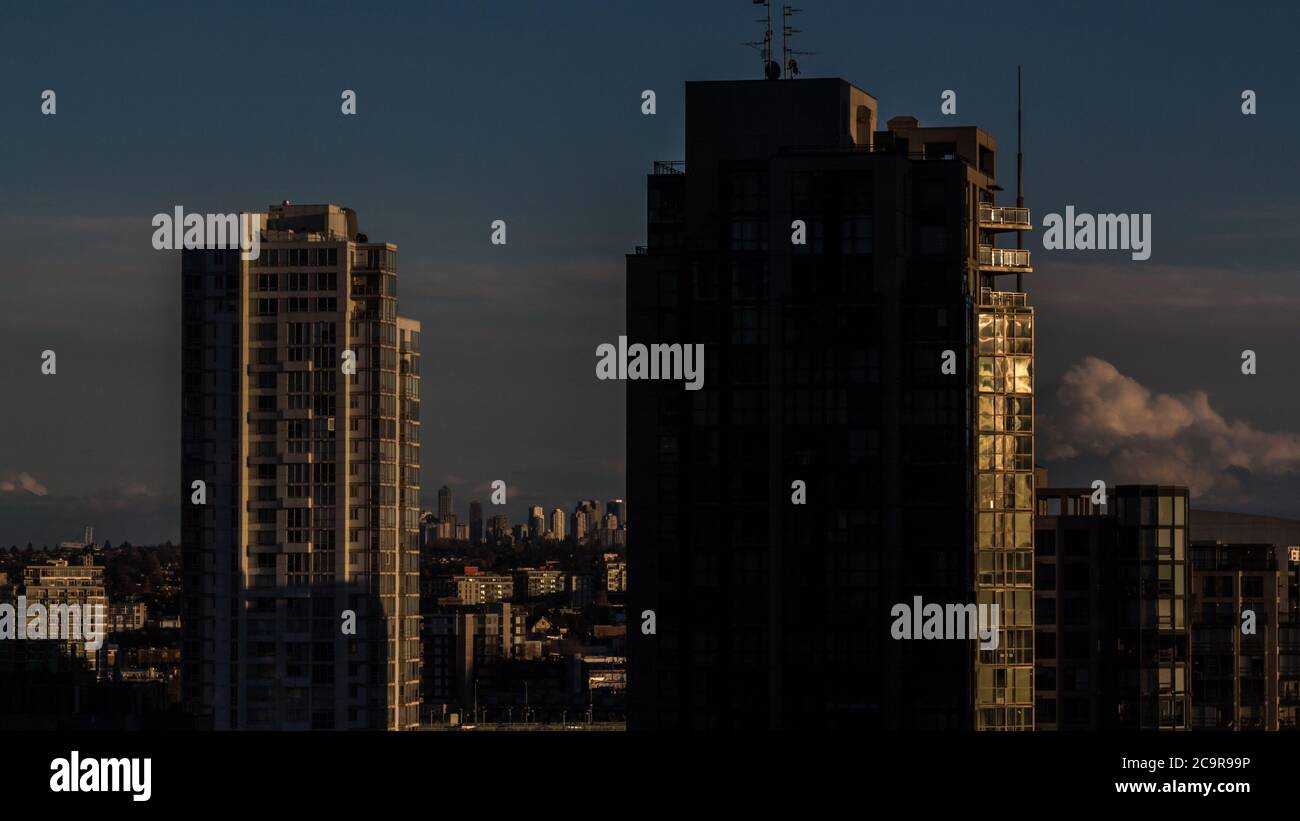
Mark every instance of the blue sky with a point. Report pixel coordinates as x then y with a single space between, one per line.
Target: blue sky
530 112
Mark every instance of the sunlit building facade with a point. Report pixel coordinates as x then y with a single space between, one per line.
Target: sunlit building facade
300 414
1004 531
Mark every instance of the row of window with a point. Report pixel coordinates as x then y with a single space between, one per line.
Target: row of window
297 257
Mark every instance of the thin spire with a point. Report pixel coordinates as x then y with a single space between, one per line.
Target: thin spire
1020 191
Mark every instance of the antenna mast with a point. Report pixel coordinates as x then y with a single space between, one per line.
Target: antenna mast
771 70
1020 191
788 62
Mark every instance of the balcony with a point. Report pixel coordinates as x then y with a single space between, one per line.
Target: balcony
996 218
1003 260
1004 299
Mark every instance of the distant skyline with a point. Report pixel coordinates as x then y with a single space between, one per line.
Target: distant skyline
531 113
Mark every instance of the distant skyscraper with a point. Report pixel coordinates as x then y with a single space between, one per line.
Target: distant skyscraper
312 481
580 524
616 507
558 522
445 507
89 538
447 527
536 521
475 522
500 526
826 362
428 528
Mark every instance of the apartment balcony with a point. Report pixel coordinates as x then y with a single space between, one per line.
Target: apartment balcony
996 218
1006 299
1003 260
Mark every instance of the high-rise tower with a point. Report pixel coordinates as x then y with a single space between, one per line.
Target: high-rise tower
445 507
311 470
843 281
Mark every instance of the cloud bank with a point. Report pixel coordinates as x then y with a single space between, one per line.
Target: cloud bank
1148 437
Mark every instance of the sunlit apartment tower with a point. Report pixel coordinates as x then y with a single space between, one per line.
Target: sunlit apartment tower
826 362
312 481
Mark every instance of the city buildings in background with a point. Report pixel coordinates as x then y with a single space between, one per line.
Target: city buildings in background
1245 677
1139 614
131 680
56 584
590 523
525 625
1111 609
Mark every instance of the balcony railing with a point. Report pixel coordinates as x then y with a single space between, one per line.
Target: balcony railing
996 218
669 167
1012 260
1006 299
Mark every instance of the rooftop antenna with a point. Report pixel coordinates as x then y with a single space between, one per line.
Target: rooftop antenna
771 70
787 53
1020 190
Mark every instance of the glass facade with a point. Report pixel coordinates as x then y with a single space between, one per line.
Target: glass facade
1153 645
1004 515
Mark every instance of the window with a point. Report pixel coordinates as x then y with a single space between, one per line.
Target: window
747 192
934 239
856 234
748 235
1252 587
1045 644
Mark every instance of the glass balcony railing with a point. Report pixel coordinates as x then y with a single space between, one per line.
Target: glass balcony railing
1002 299
1003 259
997 218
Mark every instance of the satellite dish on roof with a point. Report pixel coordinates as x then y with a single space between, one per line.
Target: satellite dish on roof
773 70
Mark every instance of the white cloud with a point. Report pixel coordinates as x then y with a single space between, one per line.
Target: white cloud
23 481
1161 438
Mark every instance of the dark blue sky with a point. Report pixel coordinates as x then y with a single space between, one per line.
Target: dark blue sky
530 112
